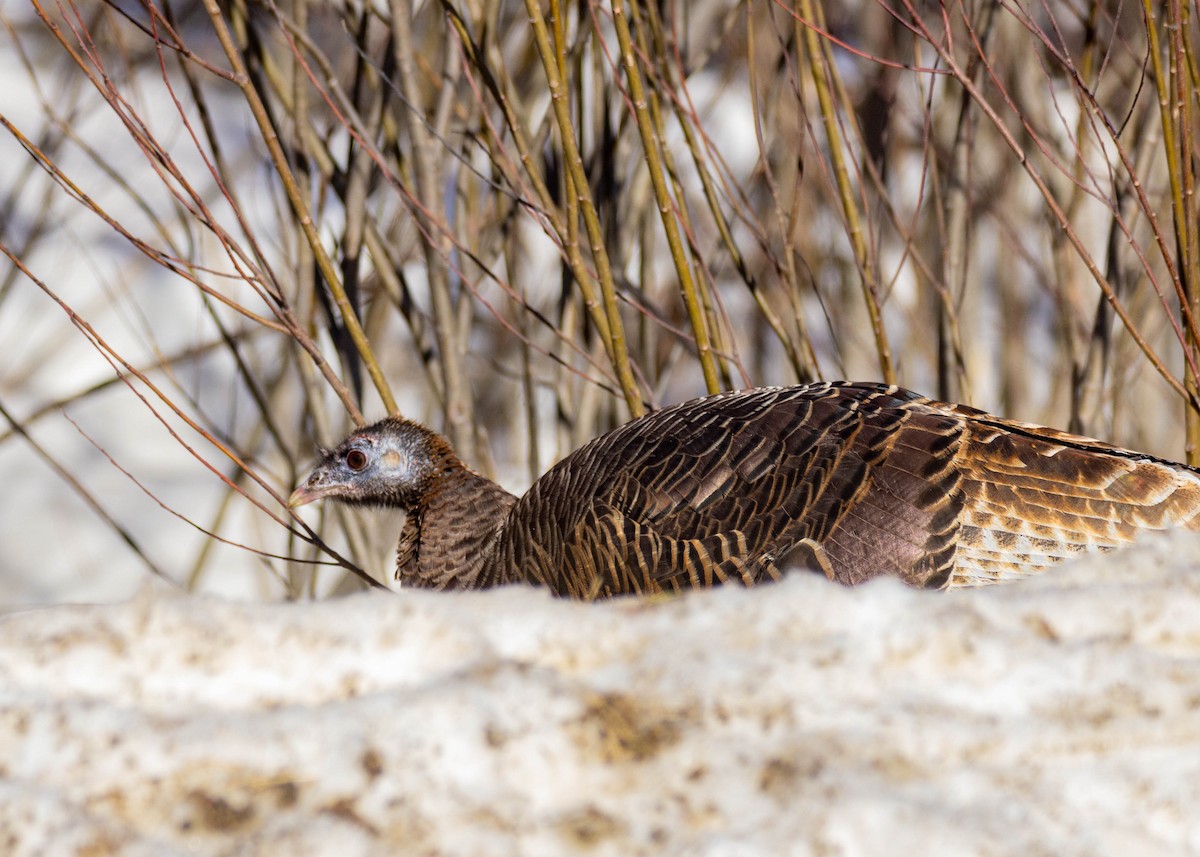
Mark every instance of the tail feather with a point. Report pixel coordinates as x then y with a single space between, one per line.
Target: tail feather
1034 497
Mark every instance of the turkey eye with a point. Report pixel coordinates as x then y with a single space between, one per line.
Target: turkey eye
356 459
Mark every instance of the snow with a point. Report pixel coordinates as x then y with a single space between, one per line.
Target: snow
1056 716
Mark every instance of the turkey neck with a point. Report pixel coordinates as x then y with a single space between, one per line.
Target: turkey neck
450 535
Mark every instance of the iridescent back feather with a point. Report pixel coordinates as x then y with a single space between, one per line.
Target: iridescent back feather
850 480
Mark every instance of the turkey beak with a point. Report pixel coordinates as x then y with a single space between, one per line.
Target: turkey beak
308 492
302 496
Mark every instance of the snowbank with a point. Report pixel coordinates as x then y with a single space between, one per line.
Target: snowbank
1060 716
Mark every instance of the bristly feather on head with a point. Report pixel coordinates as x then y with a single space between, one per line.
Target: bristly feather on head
389 463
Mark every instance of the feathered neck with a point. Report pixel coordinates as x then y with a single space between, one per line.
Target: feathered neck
453 525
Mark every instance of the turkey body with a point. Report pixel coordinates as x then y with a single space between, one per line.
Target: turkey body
849 480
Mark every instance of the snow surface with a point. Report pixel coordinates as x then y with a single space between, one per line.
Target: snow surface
1059 716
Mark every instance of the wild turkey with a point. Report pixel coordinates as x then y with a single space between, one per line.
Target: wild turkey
850 480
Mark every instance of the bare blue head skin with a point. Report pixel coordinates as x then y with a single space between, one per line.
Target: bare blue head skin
390 463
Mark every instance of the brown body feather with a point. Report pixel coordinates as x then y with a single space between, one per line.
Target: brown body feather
849 480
